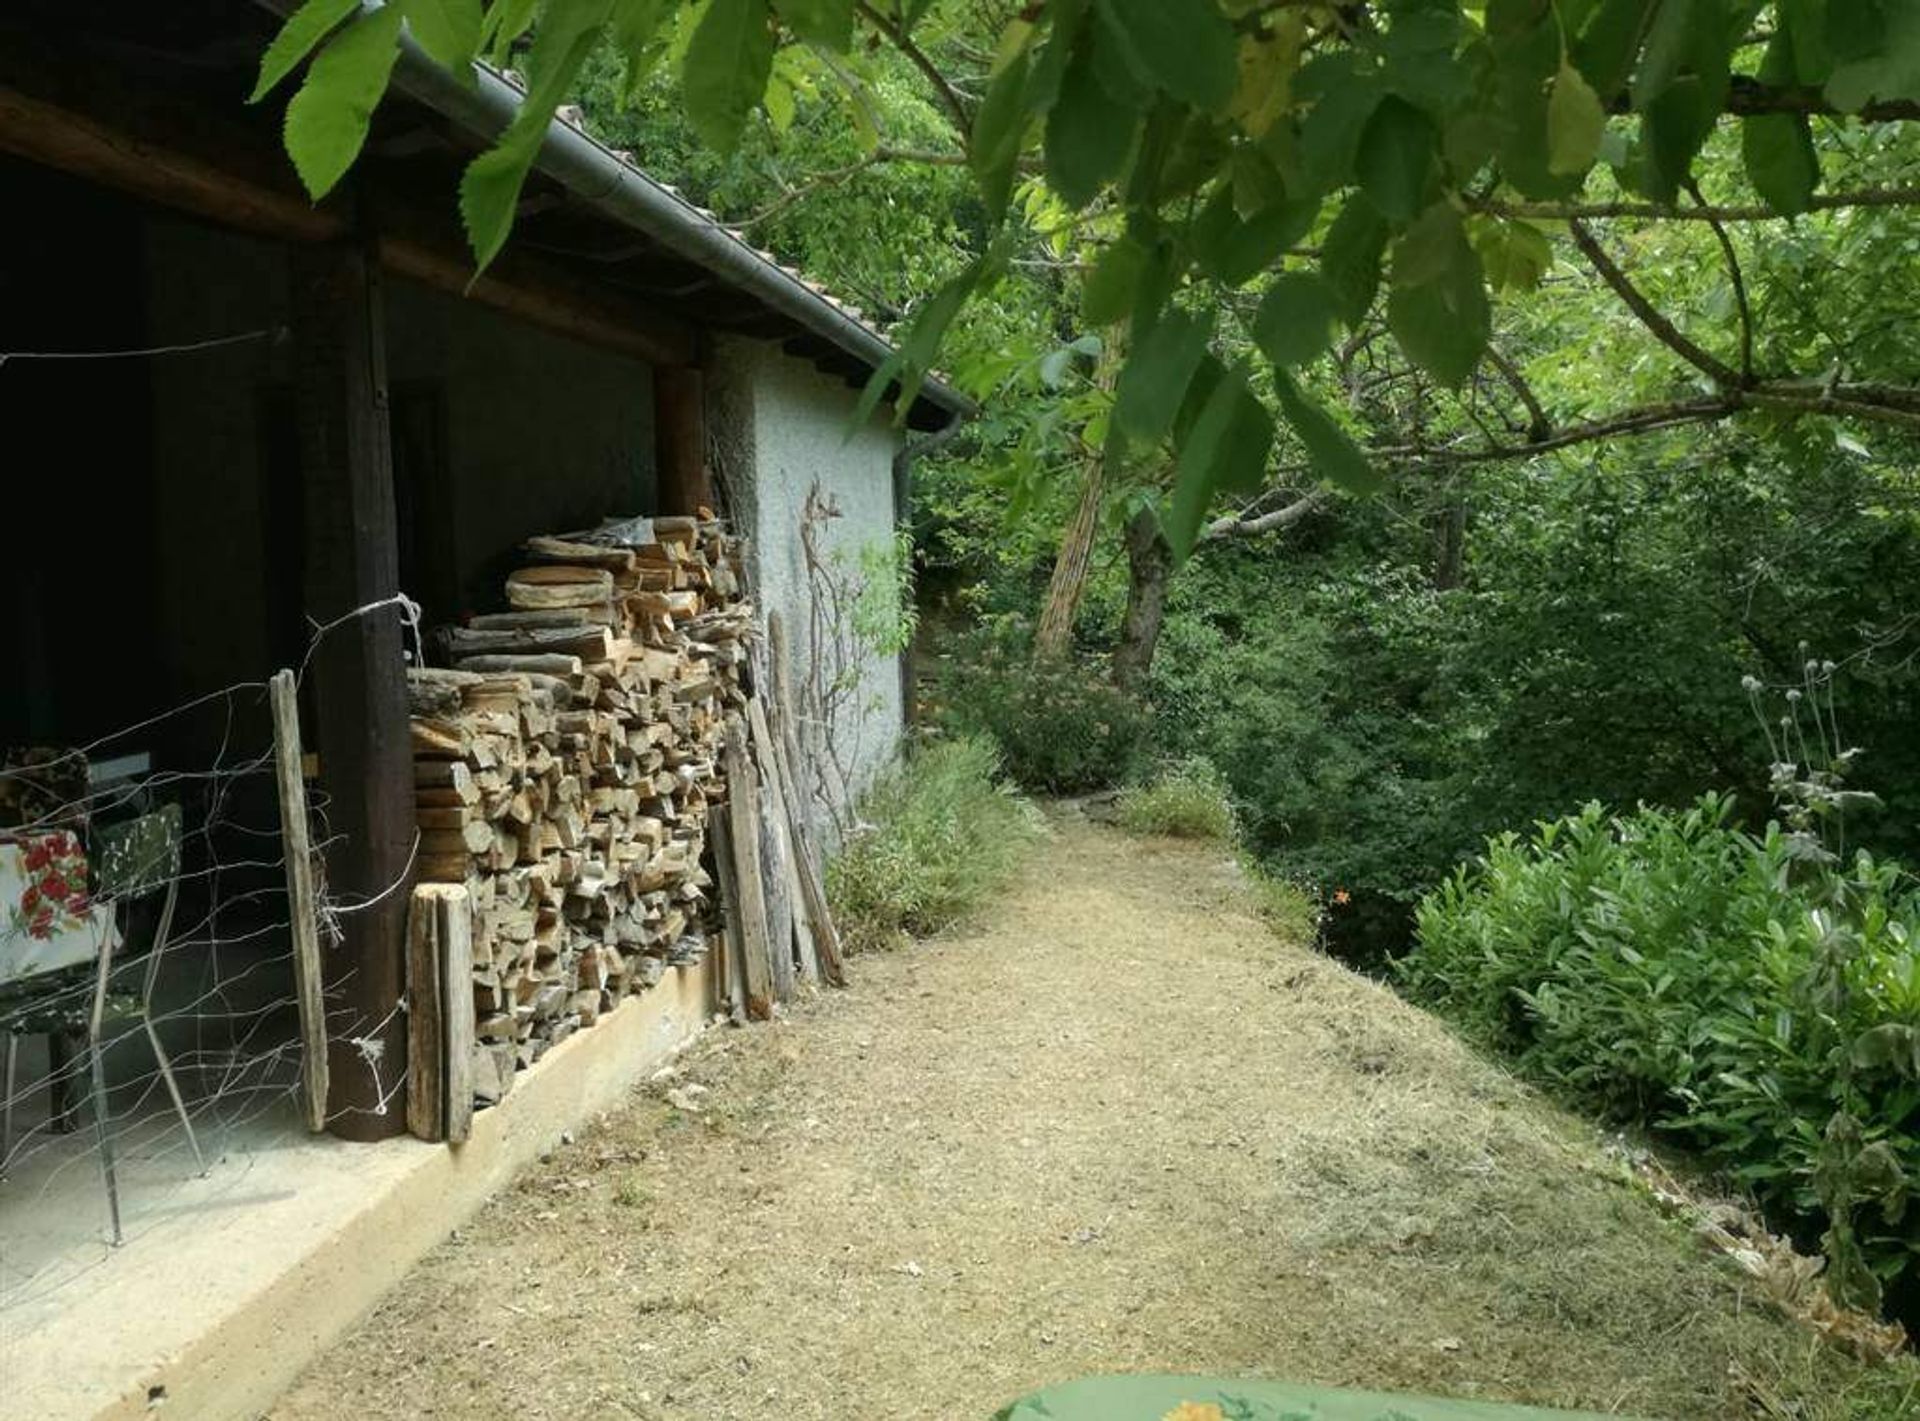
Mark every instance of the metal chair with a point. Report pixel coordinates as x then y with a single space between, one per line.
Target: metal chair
131 860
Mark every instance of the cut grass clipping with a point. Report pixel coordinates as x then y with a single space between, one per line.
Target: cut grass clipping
939 833
1184 801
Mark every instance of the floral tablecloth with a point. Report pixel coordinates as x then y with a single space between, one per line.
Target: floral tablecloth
47 919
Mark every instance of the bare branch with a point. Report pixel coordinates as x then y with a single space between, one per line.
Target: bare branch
962 119
1663 329
1241 526
1748 96
1727 212
835 177
1641 420
1538 426
1739 285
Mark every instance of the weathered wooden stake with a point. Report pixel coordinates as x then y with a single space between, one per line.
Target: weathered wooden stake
786 849
298 852
743 841
807 856
440 1013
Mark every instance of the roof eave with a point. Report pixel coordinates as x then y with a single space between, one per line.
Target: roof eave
603 180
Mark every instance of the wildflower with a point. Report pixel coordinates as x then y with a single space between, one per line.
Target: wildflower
1750 684
1342 897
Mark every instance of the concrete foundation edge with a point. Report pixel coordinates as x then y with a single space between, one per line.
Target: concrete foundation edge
237 1362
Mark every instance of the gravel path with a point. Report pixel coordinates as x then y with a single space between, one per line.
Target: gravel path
1117 1126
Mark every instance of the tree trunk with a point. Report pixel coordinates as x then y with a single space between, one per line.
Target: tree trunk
1450 545
1149 562
1070 568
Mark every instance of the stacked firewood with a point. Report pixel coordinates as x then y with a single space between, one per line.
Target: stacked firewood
565 760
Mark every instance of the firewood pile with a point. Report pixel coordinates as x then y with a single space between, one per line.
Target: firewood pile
572 764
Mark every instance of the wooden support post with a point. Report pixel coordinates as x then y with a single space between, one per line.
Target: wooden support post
440 1017
680 440
297 850
358 672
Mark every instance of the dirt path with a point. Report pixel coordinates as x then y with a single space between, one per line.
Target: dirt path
1120 1127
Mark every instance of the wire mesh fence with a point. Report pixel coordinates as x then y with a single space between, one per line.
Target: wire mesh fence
151 1023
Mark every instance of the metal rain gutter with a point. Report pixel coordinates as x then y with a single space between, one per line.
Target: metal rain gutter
600 178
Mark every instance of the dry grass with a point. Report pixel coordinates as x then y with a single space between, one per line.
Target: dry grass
1120 1128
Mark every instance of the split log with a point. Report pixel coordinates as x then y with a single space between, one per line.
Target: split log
440 1021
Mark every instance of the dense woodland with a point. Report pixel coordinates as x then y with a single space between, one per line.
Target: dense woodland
1426 420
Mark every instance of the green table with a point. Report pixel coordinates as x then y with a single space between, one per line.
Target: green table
1149 1398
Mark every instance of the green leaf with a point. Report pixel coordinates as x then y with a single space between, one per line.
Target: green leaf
634 23
304 29
448 30
1670 38
1344 97
1525 52
999 127
1878 63
1088 135
1336 458
1226 447
1160 273
726 68
327 120
1515 254
905 371
1051 60
1780 159
1437 307
1295 321
1576 120
1802 37
1235 251
1610 42
1395 156
1109 289
1185 47
1114 64
919 347
1427 248
506 21
490 187
1157 373
1350 258
828 23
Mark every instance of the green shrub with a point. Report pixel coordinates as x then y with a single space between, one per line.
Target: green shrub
1756 1001
1185 801
938 833
1061 727
1291 910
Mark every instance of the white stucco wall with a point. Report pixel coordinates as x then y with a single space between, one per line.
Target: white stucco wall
779 427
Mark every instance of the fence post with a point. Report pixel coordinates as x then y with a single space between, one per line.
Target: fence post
298 852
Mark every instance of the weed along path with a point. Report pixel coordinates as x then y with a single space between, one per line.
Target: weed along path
1118 1126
